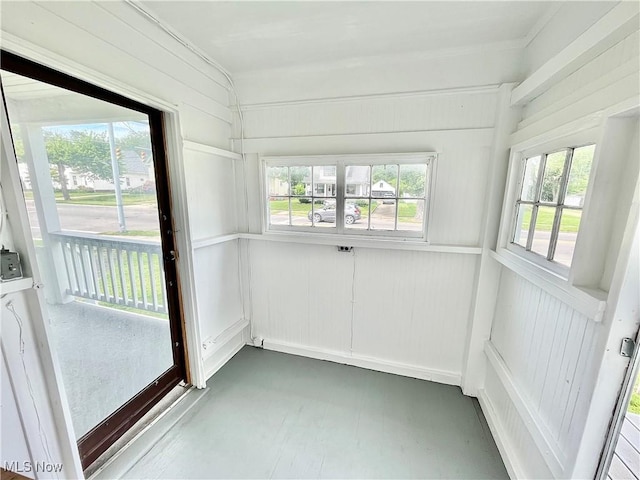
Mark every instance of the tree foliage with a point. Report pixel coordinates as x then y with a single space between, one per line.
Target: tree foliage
412 178
84 151
139 141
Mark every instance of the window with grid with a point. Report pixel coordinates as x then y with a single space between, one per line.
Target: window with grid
351 194
549 207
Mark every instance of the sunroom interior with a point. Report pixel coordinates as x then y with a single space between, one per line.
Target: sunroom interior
320 239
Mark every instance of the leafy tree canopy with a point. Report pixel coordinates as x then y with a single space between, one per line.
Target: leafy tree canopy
84 151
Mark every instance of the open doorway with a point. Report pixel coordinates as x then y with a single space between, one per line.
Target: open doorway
93 170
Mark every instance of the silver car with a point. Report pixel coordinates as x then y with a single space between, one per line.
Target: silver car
328 213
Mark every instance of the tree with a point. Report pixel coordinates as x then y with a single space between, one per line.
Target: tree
85 152
139 141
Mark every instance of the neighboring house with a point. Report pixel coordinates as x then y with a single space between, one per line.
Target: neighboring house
135 173
382 188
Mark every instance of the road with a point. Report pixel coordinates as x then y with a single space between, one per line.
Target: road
98 218
383 218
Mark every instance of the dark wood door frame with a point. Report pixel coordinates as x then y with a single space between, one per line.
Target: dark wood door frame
95 442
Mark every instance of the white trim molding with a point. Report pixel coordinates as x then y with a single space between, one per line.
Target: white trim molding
396 368
548 447
387 244
216 240
234 339
373 96
204 148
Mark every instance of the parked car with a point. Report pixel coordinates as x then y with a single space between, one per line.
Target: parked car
328 213
384 193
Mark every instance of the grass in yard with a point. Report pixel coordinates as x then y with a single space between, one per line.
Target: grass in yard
544 222
407 210
634 404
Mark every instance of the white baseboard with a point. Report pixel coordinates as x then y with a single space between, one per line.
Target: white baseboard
510 459
405 370
223 353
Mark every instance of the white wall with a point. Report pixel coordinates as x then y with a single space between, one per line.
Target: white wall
553 370
312 300
112 45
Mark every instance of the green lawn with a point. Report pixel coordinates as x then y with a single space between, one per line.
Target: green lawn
634 404
407 210
544 222
101 198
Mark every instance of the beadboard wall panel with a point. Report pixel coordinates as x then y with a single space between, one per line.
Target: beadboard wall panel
218 296
548 349
301 294
518 448
211 196
412 307
398 307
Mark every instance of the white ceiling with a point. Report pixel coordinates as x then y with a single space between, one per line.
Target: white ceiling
246 36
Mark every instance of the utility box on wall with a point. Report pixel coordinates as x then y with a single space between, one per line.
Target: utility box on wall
9 265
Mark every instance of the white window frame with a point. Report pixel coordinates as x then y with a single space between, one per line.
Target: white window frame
341 162
509 221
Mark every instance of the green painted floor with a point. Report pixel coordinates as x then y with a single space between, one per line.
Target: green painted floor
272 415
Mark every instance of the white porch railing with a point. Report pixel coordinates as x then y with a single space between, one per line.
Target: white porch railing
118 271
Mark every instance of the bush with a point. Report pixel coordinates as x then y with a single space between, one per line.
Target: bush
362 203
304 200
319 202
84 188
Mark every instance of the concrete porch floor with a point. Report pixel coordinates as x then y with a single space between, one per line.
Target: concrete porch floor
273 415
106 357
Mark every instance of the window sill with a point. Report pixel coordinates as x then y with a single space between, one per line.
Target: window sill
359 241
589 302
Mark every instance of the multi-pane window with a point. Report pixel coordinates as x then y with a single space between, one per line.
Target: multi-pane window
376 194
301 195
391 197
549 207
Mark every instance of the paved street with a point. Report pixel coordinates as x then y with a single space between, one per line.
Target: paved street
97 218
383 218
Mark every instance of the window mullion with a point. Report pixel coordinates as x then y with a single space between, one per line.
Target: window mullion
370 200
536 201
340 194
290 191
395 226
564 180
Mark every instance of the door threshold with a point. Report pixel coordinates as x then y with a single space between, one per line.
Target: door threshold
133 445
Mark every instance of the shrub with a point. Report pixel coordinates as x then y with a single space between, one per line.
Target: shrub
304 200
84 188
362 203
